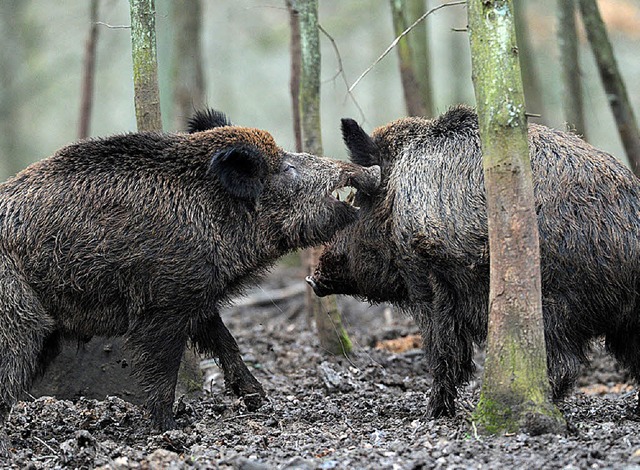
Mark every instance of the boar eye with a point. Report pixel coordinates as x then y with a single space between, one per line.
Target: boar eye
289 169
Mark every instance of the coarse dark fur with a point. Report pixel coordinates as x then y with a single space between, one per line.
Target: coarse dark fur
144 236
421 242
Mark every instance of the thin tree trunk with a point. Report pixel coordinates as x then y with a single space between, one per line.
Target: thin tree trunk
333 337
16 87
145 65
188 76
515 391
294 83
531 82
410 86
419 45
570 65
612 82
86 100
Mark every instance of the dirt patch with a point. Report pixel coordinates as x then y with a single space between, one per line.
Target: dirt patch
323 412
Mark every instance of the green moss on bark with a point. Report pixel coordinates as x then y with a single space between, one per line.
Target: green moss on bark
145 65
515 392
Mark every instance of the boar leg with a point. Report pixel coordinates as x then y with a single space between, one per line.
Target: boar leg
564 358
211 336
25 328
157 344
448 350
624 344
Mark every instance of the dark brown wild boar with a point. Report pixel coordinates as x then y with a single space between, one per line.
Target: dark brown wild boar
421 242
144 236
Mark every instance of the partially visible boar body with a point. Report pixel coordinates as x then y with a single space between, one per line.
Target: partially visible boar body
421 243
145 236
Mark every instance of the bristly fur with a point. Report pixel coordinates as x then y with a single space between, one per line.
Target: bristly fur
207 119
421 242
151 234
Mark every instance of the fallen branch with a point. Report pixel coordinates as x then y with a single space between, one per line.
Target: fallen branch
271 296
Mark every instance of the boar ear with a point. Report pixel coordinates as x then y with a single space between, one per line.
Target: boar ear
362 149
205 120
240 170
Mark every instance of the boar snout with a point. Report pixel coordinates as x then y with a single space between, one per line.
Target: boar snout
365 179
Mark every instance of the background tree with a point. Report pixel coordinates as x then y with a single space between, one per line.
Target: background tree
515 391
570 67
145 65
530 80
294 81
86 103
333 337
187 74
410 85
612 81
421 55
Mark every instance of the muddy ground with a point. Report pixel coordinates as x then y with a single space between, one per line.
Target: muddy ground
323 412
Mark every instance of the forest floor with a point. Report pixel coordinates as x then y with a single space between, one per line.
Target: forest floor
324 412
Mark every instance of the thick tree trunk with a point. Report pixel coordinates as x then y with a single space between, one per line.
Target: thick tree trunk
570 65
145 65
410 85
333 337
86 100
188 76
612 81
515 391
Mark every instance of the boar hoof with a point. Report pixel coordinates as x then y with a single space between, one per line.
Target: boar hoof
253 401
163 421
441 406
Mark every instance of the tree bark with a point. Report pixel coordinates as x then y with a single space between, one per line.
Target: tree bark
570 66
612 81
515 392
419 45
145 65
332 335
294 82
188 76
86 100
410 86
531 82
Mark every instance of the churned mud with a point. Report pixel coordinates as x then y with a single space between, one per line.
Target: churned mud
323 412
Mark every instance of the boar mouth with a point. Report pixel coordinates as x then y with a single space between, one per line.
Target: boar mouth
352 181
345 195
319 287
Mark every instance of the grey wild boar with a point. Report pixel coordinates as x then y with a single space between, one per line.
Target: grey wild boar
421 243
144 236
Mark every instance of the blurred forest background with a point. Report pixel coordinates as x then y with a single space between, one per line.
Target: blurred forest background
245 46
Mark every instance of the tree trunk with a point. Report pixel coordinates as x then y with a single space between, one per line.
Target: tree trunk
188 76
410 86
515 391
86 100
532 90
612 82
570 65
419 45
145 65
333 337
17 83
294 83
